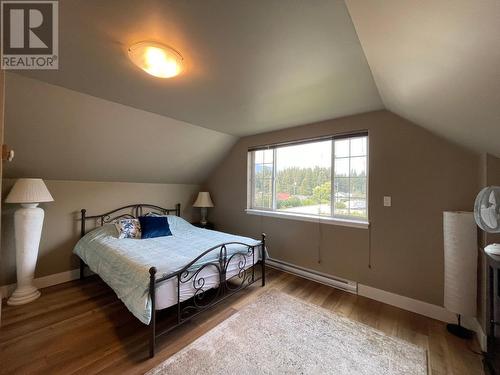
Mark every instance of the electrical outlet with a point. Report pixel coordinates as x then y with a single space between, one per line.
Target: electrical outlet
387 201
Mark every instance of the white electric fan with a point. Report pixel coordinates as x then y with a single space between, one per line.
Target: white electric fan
487 214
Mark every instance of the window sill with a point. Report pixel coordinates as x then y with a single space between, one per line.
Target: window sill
311 218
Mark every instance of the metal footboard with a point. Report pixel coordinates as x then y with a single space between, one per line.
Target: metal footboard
205 297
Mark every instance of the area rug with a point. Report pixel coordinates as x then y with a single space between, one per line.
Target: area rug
279 334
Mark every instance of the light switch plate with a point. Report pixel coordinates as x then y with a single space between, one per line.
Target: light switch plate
387 201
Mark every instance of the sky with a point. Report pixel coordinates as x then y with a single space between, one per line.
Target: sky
304 156
312 154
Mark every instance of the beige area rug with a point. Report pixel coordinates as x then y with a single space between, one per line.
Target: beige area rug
279 334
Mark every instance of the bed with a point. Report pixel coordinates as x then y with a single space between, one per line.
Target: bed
193 270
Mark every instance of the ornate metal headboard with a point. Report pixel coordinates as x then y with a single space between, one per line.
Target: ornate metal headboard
131 211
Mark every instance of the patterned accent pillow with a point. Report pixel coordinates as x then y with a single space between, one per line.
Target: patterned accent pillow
128 228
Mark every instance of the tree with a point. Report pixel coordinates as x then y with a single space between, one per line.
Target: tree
322 193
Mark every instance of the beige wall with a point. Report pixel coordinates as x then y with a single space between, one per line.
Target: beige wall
492 178
61 228
2 75
424 174
60 134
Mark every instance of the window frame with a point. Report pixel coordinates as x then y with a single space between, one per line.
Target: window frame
251 197
347 217
344 220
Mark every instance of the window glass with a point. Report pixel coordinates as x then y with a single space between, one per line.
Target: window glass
300 179
263 179
303 178
351 177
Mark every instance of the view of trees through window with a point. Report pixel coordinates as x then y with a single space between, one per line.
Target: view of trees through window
298 178
263 179
303 178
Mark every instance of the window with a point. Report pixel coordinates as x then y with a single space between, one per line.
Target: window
263 179
325 178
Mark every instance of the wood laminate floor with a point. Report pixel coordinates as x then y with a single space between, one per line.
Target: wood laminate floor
81 327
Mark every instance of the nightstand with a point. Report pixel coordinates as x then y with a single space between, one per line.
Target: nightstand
206 226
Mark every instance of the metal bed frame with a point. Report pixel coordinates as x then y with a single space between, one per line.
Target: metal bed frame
190 273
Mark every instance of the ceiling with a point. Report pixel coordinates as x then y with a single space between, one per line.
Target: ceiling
251 66
437 63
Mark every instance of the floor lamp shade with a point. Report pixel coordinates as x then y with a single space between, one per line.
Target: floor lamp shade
29 190
460 262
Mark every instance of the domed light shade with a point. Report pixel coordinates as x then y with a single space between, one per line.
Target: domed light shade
156 59
487 209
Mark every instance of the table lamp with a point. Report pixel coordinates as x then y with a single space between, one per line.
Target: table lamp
203 201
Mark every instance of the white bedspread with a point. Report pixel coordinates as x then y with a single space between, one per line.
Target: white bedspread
124 263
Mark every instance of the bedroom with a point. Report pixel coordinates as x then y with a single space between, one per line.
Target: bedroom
342 130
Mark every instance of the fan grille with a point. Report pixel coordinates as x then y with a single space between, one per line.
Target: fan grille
487 209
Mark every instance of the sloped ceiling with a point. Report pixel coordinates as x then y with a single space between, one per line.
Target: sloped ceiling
251 66
437 63
62 134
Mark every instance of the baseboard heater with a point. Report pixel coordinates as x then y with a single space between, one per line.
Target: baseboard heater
323 278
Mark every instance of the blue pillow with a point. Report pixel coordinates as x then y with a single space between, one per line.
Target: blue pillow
154 226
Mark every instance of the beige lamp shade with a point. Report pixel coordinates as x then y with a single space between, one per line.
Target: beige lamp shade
29 190
460 262
203 200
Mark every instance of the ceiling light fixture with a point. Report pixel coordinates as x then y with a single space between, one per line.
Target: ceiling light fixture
156 59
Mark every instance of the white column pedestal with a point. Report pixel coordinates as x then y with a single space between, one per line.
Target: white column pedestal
28 222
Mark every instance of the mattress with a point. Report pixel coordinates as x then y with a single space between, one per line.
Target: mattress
166 292
124 263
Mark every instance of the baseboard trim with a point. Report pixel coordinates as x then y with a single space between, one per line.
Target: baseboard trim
474 325
322 278
422 308
406 303
44 282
